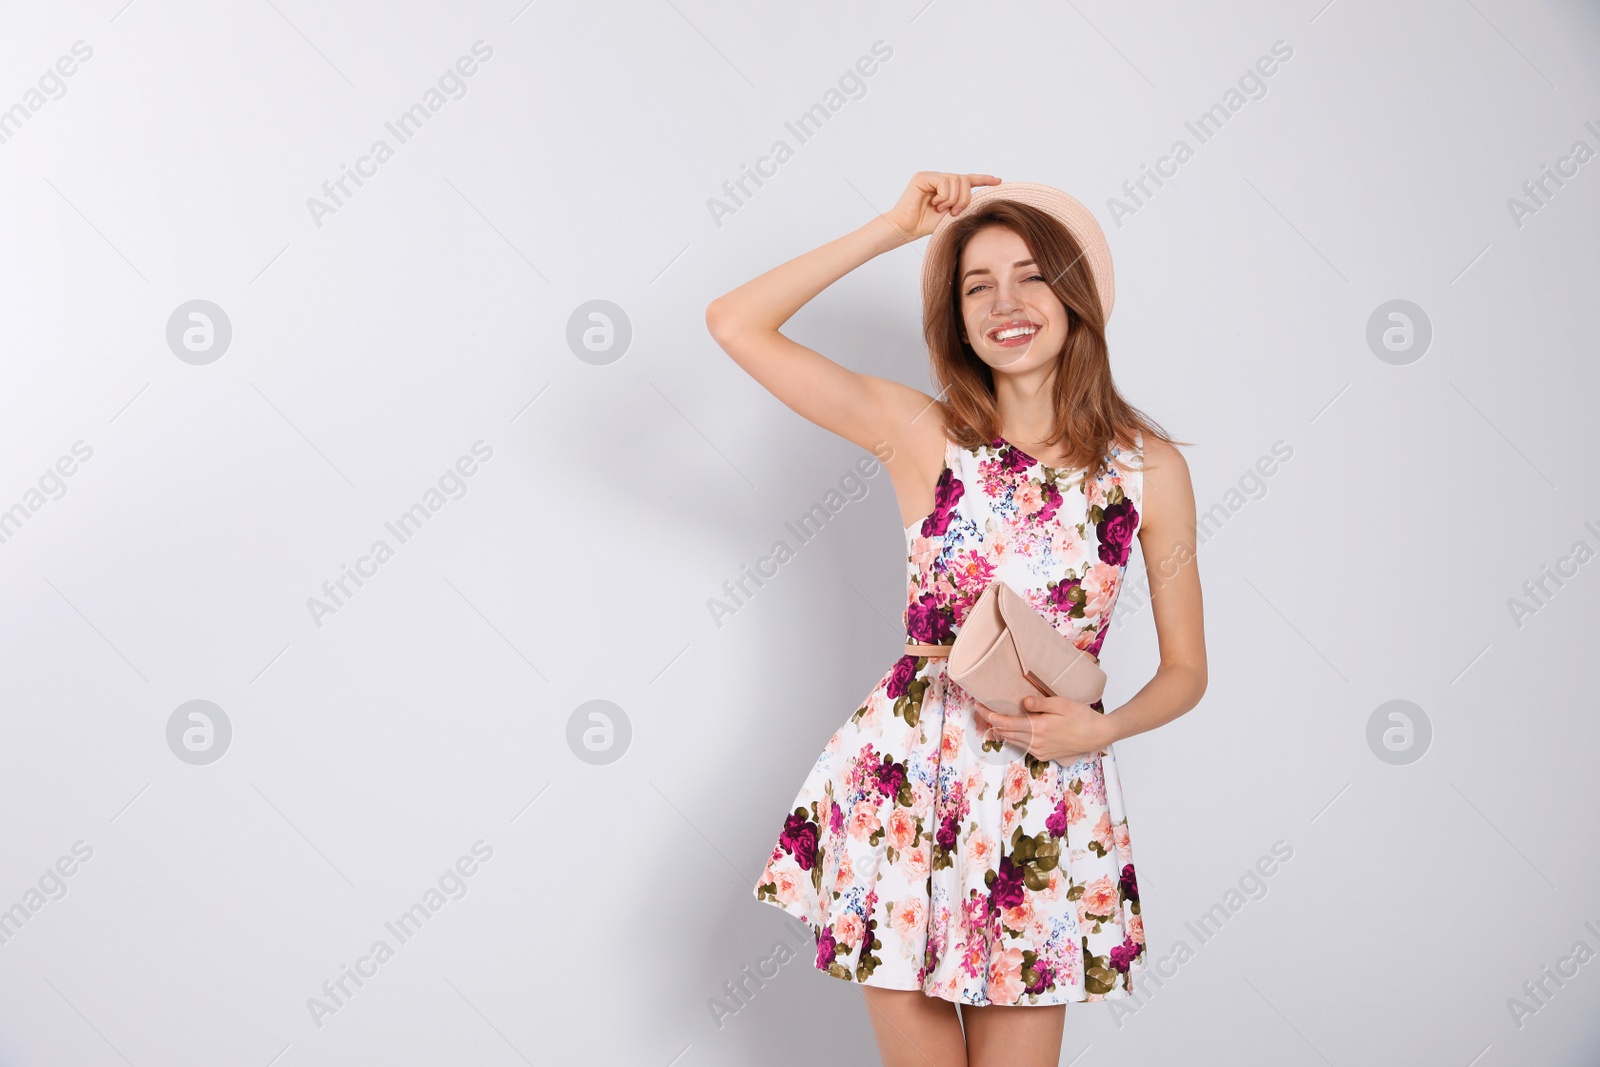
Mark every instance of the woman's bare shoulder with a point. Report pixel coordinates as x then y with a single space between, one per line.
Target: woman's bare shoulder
1167 494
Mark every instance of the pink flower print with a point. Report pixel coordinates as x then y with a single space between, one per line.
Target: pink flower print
917 863
974 956
1094 492
787 885
909 920
1136 928
1102 831
1100 588
1028 499
1094 784
949 740
970 572
1066 542
847 871
1005 976
973 785
1072 807
861 766
1019 916
864 819
1124 843
1099 900
1015 786
1009 818
848 928
1001 541
981 849
902 829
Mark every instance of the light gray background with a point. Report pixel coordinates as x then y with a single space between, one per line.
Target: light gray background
434 708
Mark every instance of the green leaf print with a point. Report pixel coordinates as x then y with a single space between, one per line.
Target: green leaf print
1098 977
1037 856
908 705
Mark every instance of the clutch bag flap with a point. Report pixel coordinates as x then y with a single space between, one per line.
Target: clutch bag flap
1006 650
1048 654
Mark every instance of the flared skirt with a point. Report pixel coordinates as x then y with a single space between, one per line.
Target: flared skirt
924 857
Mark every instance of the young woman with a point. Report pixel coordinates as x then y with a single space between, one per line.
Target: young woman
942 853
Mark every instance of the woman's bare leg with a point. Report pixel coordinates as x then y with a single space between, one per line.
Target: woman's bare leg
915 1029
1014 1036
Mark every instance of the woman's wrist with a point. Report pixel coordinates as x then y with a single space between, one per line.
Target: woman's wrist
1113 724
887 233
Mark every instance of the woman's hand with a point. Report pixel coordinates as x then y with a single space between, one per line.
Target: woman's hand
932 194
1052 728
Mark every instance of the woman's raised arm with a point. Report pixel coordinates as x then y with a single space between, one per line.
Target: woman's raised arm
862 408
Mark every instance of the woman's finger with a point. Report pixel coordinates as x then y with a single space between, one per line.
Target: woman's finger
964 199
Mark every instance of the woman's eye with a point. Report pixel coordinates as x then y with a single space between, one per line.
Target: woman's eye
981 285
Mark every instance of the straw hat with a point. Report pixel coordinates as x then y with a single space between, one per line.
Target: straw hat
1069 212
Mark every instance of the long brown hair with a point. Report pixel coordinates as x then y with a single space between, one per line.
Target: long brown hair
1090 412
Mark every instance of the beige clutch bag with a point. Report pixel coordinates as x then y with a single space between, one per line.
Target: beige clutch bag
1006 650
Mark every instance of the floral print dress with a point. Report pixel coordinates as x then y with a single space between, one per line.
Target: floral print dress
924 857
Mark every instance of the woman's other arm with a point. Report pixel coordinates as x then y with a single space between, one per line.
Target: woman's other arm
1167 538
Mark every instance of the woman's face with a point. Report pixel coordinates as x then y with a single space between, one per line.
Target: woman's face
1011 317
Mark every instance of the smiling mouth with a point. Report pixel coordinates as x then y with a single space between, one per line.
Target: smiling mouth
1014 333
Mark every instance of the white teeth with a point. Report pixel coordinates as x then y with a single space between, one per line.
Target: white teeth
1015 331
